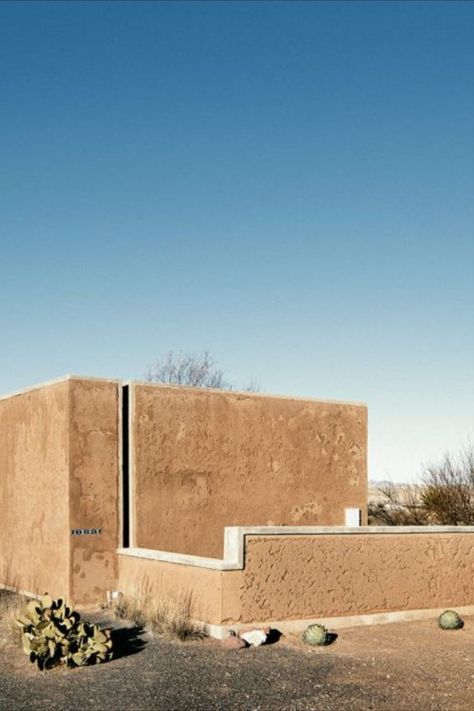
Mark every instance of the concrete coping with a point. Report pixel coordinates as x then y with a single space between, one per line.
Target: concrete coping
234 541
56 381
198 390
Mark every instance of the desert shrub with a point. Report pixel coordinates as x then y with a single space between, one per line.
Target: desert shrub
53 634
447 490
401 506
159 614
11 607
445 496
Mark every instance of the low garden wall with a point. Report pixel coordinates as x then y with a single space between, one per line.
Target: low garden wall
292 575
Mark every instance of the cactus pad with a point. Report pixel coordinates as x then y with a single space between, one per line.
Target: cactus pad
53 634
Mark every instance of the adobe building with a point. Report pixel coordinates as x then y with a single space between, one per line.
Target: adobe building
255 506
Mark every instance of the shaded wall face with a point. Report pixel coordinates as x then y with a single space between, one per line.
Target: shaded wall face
34 503
205 460
298 577
199 590
94 488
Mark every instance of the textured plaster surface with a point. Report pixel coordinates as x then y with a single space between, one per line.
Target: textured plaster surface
94 488
139 576
34 490
327 576
204 460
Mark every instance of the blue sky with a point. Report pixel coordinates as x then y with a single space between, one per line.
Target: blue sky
289 185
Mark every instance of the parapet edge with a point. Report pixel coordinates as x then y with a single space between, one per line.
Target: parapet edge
234 541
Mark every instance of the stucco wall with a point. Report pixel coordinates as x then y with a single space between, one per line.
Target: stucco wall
59 471
205 459
295 577
139 576
94 488
34 490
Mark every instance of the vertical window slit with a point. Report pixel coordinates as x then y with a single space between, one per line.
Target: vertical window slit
125 468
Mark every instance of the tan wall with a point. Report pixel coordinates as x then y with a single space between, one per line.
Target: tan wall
208 459
139 576
34 485
59 471
295 577
94 488
203 460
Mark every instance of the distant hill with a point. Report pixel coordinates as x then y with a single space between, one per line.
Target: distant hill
404 492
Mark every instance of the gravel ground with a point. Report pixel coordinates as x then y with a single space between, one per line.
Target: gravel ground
411 666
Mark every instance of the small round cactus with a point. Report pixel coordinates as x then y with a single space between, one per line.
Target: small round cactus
450 620
315 635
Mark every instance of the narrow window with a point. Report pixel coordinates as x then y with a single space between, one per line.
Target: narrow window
125 468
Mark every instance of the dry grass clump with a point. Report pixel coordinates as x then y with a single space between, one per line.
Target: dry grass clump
11 607
160 615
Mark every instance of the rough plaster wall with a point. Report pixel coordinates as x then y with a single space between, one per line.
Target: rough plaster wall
34 526
167 581
204 460
94 488
322 576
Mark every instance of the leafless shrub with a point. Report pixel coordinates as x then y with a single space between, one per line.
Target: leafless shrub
444 497
401 506
198 370
448 489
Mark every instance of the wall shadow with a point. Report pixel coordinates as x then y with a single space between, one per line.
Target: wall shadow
127 641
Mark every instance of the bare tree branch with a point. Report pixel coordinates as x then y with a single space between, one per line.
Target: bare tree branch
448 488
401 506
445 495
198 370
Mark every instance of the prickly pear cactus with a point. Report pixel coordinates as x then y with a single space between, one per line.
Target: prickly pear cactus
450 620
316 635
53 634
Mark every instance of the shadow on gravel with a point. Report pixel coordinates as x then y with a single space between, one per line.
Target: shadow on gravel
127 641
273 636
330 638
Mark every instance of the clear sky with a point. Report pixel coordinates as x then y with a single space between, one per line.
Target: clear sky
289 185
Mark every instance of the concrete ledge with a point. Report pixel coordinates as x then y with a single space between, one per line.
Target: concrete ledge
32 388
234 536
237 393
243 393
180 558
55 381
234 541
337 623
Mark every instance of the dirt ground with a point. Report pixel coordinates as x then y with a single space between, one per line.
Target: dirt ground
408 666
